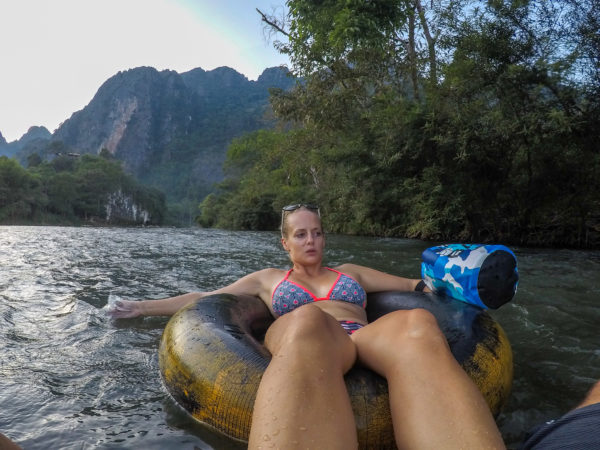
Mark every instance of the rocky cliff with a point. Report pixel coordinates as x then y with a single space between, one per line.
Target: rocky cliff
133 114
172 130
121 208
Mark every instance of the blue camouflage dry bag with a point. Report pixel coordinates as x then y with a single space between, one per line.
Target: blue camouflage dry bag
484 275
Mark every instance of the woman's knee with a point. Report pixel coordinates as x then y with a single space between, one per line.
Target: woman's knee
408 325
310 332
307 321
420 324
418 331
410 333
420 340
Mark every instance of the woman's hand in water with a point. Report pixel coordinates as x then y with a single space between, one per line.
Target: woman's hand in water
124 309
127 309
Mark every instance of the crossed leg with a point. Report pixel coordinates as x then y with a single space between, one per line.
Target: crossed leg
302 401
434 403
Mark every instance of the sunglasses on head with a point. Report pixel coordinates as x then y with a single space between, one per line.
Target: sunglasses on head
296 206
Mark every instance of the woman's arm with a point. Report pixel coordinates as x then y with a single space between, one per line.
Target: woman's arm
376 281
256 284
128 309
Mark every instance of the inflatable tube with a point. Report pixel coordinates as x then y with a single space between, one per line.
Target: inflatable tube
211 360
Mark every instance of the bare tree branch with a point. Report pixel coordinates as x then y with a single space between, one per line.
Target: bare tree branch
272 23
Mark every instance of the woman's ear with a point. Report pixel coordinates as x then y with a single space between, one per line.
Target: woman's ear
284 244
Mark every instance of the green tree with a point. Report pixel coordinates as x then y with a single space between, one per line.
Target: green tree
70 190
465 120
34 160
249 197
63 193
18 192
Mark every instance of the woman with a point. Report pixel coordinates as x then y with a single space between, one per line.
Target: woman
321 331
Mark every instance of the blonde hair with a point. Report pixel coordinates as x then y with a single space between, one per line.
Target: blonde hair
285 214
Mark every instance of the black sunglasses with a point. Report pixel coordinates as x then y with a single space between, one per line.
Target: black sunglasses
296 206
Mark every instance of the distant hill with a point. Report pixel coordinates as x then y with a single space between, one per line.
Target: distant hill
170 130
33 136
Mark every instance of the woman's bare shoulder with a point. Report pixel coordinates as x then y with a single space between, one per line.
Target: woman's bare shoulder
373 280
257 283
265 277
351 269
270 273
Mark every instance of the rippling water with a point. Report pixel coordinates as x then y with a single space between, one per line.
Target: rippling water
70 378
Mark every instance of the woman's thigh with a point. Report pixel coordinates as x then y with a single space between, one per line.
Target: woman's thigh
302 397
434 404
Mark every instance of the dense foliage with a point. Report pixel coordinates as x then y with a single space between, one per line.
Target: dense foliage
444 120
70 190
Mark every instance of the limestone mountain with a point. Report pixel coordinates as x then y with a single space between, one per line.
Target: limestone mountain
35 136
172 130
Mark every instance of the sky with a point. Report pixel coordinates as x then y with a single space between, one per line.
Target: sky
55 54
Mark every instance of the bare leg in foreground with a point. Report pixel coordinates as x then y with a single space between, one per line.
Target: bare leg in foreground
302 401
434 403
7 444
593 396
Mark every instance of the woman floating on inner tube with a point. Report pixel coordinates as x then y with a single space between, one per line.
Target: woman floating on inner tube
321 331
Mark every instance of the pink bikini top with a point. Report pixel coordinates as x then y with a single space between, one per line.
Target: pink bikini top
289 295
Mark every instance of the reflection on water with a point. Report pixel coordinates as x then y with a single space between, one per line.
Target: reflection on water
70 378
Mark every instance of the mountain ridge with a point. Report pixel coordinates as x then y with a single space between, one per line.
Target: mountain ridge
170 130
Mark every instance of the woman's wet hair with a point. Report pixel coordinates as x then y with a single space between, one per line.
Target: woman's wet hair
289 209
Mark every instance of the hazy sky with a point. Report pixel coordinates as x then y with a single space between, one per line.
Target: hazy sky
55 54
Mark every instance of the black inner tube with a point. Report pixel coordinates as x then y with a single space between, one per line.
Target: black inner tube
204 341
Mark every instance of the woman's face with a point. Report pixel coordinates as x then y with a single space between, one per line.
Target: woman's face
305 240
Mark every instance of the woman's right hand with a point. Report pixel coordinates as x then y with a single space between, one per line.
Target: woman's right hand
125 309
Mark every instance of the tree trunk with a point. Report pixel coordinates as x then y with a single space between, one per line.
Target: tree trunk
430 43
412 54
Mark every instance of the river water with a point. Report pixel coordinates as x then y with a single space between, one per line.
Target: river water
70 378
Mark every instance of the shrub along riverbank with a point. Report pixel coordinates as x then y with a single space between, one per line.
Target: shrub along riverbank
73 190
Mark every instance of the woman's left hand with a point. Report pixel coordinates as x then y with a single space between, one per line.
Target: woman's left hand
124 309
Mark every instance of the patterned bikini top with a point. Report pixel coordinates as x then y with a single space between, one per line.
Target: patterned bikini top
289 295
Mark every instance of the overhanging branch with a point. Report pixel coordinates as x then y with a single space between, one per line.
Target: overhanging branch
272 23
